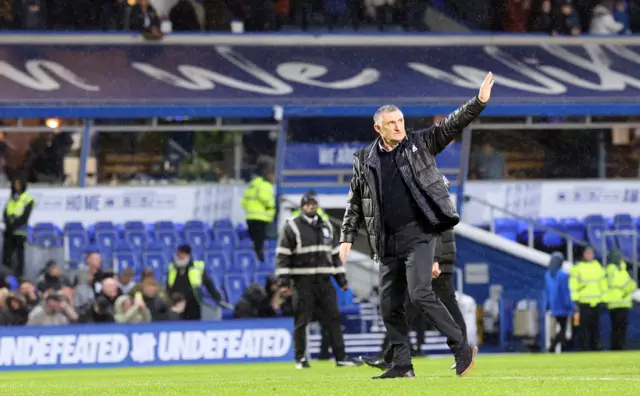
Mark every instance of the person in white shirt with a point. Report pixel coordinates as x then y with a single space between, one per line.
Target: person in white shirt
602 21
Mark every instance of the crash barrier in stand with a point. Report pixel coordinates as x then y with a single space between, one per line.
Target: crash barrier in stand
152 344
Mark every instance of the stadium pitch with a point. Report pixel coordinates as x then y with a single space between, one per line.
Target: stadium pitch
581 374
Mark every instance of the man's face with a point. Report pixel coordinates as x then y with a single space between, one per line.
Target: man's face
27 288
149 290
53 306
94 261
488 149
310 209
180 306
588 255
391 127
55 271
110 288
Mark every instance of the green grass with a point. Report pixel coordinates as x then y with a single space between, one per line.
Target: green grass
568 374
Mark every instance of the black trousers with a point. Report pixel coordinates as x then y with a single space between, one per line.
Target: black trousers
311 292
619 324
406 267
589 327
445 291
14 244
258 234
561 336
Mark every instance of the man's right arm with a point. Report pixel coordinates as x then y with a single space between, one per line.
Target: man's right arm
353 214
284 253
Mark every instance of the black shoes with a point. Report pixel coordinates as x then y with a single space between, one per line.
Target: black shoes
397 372
378 363
349 362
465 359
302 364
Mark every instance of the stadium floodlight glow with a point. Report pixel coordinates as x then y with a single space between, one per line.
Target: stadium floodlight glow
53 123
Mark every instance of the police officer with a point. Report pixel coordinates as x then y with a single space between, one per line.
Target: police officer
588 286
16 218
306 258
259 204
186 276
619 300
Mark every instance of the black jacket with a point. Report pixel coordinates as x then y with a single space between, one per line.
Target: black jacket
420 173
446 251
308 249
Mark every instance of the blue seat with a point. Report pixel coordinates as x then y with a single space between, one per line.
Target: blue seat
596 226
244 262
223 224
106 241
167 237
234 286
271 244
164 225
225 237
157 261
622 219
551 239
244 244
242 231
506 225
269 263
512 236
73 226
194 225
217 259
44 227
573 227
136 238
134 225
126 259
76 242
197 239
47 238
260 277
625 242
104 225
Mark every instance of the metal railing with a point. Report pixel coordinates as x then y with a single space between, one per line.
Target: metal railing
531 225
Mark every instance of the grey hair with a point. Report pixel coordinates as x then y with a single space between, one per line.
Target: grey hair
377 116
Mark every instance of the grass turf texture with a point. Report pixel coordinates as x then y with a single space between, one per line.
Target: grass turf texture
568 374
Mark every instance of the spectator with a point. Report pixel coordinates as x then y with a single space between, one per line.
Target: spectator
488 164
334 9
382 9
103 307
127 311
112 14
31 15
621 15
15 312
127 281
84 291
541 20
67 294
517 15
567 22
151 295
144 18
45 160
28 290
7 20
96 274
258 301
178 305
52 312
602 21
52 277
183 17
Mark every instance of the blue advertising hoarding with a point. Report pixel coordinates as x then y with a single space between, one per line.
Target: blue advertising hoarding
323 80
149 344
339 156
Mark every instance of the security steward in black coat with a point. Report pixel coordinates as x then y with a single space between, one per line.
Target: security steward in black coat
397 191
306 258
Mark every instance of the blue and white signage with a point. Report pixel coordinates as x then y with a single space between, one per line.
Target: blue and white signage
153 344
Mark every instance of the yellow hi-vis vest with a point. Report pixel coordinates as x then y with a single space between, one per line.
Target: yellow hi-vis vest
16 207
621 285
321 213
588 283
195 275
259 202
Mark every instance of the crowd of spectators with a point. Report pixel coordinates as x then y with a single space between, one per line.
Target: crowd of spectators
567 17
89 295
